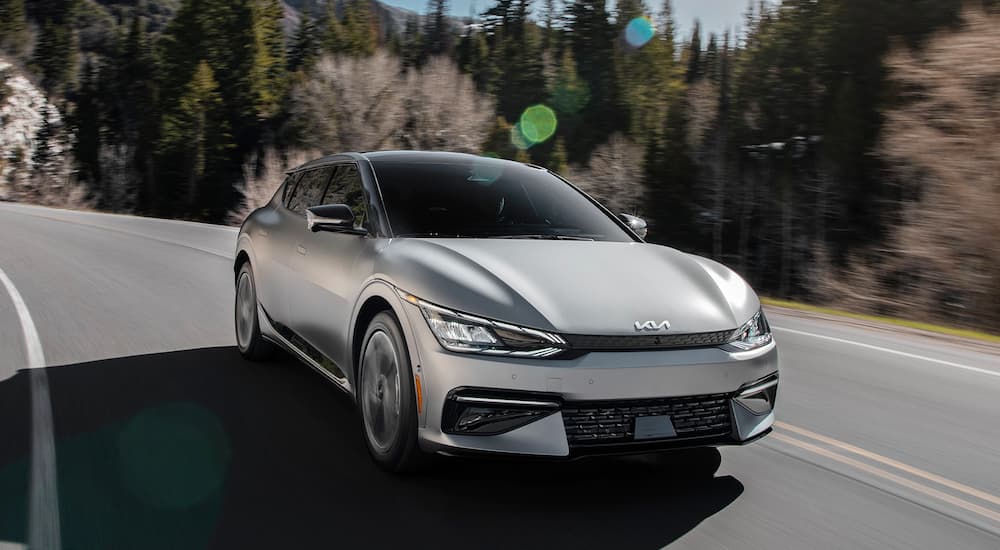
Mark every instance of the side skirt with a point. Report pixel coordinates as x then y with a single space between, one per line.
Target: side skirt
302 350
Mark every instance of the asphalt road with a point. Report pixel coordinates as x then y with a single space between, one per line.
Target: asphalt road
161 436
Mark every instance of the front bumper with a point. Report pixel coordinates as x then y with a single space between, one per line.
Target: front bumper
599 380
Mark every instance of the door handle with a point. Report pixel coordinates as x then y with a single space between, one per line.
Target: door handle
301 250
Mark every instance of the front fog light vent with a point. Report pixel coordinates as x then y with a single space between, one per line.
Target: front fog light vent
758 397
491 415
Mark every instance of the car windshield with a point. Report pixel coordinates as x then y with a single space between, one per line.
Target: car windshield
487 198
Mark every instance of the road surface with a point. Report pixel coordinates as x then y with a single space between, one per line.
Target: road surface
154 433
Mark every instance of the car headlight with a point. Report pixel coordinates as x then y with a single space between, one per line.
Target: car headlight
755 333
461 332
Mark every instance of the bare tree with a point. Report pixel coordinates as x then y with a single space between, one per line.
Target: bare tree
943 262
370 103
351 103
614 176
445 112
261 177
703 112
118 177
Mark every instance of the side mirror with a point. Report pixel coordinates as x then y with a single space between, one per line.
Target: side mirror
330 217
636 224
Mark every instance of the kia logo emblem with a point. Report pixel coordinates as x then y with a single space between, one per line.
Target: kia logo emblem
643 326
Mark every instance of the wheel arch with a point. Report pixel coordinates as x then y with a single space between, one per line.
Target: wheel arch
244 253
241 258
378 296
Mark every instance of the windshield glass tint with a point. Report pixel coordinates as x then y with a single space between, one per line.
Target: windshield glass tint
487 198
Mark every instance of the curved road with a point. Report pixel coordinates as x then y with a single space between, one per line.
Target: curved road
141 427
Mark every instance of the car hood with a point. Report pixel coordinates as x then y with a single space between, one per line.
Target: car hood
572 287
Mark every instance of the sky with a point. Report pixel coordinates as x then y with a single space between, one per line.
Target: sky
715 15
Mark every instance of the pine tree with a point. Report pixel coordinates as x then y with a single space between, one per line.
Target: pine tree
520 81
413 51
136 79
591 37
670 178
180 48
360 28
498 141
305 46
332 38
626 11
692 54
269 79
570 93
196 143
42 156
54 55
240 42
710 63
438 33
13 26
558 162
644 73
87 128
668 28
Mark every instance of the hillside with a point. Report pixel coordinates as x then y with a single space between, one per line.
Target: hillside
392 19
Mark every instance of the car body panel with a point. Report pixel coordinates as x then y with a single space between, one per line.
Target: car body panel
574 287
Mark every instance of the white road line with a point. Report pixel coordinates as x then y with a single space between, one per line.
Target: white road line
32 345
43 500
892 351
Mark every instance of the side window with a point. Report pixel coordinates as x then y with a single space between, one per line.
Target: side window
295 196
286 191
288 187
309 191
346 188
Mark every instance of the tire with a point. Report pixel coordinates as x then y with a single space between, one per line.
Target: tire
249 340
385 396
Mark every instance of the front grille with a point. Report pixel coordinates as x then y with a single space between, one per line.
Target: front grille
648 341
602 422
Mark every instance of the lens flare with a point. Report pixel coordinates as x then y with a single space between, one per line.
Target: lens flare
174 455
518 139
639 31
538 123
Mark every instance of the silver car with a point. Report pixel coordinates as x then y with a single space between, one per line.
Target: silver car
473 305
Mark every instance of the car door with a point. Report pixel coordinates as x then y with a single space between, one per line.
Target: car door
271 267
332 270
286 243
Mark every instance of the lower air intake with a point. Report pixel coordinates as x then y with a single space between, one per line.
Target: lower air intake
610 422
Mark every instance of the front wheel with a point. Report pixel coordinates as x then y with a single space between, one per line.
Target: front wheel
386 397
249 340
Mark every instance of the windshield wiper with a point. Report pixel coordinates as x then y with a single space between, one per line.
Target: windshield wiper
543 237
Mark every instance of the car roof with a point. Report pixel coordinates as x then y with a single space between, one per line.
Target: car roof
392 157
